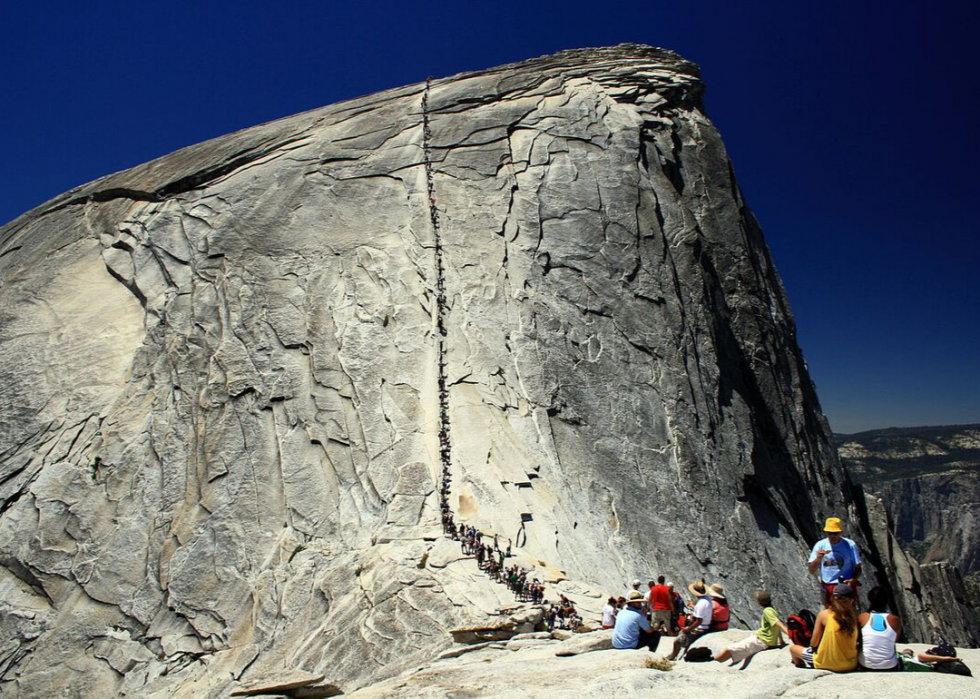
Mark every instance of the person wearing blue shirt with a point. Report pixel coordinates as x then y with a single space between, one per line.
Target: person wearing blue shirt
835 559
632 629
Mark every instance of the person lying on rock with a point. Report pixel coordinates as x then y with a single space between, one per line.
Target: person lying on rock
632 630
923 662
768 635
700 623
835 636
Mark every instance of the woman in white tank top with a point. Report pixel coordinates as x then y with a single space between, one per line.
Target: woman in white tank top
879 632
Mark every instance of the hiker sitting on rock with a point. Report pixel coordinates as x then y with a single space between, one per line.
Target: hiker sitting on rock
769 634
632 629
700 623
835 636
879 632
609 614
721 614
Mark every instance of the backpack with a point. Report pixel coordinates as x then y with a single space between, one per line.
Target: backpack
955 667
700 654
800 627
809 617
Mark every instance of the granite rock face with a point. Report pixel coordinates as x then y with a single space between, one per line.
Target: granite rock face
928 479
219 453
938 514
932 599
542 668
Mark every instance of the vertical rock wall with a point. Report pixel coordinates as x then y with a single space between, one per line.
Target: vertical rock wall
218 382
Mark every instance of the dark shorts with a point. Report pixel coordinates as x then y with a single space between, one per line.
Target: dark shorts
686 638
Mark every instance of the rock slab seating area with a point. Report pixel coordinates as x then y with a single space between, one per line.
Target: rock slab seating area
549 668
220 385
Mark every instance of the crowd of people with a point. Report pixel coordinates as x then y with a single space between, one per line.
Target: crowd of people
843 638
490 555
639 619
563 615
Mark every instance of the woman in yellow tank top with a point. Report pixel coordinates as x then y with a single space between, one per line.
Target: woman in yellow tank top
835 636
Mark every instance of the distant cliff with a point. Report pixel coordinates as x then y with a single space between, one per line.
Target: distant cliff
929 480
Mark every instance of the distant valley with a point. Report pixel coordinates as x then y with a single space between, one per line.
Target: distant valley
929 479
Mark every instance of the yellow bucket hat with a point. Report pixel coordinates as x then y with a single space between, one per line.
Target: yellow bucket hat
833 525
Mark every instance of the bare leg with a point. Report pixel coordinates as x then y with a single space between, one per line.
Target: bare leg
723 656
796 652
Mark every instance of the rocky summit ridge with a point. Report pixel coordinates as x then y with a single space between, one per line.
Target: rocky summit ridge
228 376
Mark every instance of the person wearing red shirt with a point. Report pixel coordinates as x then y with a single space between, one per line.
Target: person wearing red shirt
661 604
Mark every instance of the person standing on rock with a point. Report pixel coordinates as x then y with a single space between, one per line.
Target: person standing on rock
632 630
678 602
835 559
662 605
700 624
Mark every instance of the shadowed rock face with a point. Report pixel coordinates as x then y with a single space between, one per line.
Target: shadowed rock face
219 452
929 479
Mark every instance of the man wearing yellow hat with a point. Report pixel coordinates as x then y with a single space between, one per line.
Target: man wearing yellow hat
836 558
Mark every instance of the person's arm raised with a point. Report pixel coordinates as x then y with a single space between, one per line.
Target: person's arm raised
813 565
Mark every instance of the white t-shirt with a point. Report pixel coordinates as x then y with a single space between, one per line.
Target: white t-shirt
702 610
608 615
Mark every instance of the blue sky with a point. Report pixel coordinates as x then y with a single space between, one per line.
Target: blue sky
852 127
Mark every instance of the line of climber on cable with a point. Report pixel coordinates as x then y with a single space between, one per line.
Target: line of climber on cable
490 558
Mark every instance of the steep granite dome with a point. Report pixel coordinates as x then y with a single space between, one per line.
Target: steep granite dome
219 373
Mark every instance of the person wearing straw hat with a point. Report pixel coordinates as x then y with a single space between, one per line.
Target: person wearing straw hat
700 624
632 629
721 614
834 559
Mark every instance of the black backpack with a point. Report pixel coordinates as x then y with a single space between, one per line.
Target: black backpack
809 617
699 654
954 667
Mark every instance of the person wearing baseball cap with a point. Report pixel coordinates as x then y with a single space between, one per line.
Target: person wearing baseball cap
834 559
632 629
834 644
